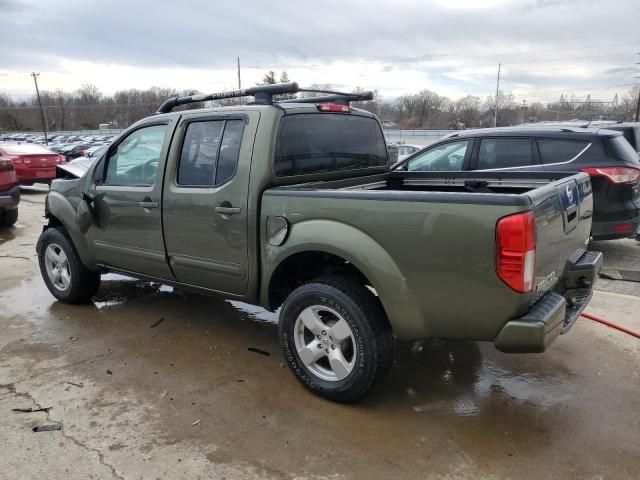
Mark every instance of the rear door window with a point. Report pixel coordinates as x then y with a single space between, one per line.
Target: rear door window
325 142
496 153
553 150
210 152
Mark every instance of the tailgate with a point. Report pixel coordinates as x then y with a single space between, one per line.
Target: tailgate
563 211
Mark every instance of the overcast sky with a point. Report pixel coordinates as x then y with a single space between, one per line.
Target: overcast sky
450 46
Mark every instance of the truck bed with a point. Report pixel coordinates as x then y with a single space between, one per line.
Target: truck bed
438 232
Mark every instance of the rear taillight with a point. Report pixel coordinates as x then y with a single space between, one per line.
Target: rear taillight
516 251
333 107
615 175
6 166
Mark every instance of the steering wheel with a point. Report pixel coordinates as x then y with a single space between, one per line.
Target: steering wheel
150 164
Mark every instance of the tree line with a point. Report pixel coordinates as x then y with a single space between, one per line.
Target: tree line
88 107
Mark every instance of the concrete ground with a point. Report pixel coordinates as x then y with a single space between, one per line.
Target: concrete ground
148 382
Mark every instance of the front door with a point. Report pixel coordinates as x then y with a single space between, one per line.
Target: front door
205 213
127 191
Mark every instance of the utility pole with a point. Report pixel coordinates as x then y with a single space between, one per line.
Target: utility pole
524 111
638 105
239 82
495 113
43 114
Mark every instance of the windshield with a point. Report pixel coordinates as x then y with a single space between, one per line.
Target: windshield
319 142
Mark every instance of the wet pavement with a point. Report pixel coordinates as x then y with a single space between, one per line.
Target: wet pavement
148 382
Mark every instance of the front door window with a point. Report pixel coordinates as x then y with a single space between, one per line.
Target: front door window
134 162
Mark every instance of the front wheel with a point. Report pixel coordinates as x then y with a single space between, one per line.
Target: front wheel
335 338
62 270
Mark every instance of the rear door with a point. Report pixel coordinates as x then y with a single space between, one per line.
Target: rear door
205 200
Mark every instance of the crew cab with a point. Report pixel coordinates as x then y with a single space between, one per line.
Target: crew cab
291 205
33 163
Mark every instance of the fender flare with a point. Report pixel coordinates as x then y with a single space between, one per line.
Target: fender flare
59 207
364 253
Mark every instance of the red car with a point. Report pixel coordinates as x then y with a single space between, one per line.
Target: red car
33 163
9 193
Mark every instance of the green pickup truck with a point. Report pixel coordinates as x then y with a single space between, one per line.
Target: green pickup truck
291 205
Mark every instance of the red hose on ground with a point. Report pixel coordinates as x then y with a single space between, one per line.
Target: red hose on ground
612 325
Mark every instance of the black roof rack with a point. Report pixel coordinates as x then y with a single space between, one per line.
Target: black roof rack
336 97
263 95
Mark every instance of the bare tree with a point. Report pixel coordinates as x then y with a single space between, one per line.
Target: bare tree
467 111
505 103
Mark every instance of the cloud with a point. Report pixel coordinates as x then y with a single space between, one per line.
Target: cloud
434 43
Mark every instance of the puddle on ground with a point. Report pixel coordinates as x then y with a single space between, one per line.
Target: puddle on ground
434 377
116 289
455 377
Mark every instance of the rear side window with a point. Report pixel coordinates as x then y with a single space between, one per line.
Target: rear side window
319 142
620 148
553 150
504 153
210 152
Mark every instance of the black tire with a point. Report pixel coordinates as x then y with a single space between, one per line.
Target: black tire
83 282
8 218
372 335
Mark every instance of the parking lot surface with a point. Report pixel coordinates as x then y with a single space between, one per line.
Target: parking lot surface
149 382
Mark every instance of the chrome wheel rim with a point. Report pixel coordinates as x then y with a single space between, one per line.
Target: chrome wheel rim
325 343
57 266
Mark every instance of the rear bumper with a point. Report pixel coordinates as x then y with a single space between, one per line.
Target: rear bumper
554 313
612 230
28 176
10 199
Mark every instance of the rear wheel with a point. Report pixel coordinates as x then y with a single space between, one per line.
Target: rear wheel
335 338
62 270
8 218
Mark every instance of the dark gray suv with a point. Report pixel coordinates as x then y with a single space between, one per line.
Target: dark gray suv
606 155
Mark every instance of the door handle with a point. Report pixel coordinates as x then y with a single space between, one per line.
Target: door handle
149 204
228 210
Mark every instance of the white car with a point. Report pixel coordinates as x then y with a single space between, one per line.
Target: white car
404 150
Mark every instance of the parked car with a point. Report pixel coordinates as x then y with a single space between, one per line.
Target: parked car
9 193
605 155
33 163
300 211
404 150
69 151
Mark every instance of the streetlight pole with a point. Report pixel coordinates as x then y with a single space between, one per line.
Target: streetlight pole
495 113
43 114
